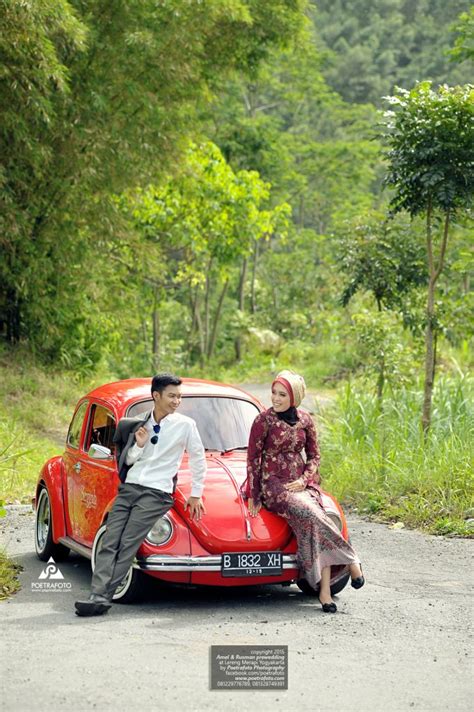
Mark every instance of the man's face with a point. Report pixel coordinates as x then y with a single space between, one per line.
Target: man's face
168 400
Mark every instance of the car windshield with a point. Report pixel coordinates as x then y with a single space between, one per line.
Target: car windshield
223 423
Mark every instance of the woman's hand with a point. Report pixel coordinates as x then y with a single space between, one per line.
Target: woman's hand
254 508
296 486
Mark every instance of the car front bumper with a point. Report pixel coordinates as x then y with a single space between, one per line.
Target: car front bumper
189 564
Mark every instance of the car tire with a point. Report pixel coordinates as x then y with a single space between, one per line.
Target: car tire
336 587
131 588
44 544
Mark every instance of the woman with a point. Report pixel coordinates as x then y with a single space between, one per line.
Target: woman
281 480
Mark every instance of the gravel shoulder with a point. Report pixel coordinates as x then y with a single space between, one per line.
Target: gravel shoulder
400 643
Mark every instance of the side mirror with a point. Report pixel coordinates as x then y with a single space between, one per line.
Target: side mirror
99 452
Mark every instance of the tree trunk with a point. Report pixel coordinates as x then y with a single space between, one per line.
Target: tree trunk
429 358
155 355
217 316
253 306
13 316
207 297
196 325
202 344
434 272
381 369
243 274
193 305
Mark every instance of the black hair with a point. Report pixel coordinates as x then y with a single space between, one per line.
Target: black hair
162 380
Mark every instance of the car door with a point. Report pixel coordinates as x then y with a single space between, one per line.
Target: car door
72 461
95 481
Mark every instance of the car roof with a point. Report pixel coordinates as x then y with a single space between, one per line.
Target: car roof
130 390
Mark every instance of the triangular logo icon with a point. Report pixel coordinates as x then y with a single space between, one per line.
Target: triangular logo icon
51 571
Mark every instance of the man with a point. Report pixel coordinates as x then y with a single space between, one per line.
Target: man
149 451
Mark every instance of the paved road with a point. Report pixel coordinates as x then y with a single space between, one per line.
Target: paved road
314 401
400 643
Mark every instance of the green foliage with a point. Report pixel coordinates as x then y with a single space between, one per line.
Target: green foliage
464 45
430 137
289 126
97 98
380 462
381 256
383 349
374 45
196 227
35 410
9 571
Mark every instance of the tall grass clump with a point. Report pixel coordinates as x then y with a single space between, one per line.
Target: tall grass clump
376 457
36 406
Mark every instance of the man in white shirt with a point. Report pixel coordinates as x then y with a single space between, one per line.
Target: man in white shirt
149 451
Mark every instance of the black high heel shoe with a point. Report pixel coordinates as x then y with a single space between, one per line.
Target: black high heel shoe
329 607
359 581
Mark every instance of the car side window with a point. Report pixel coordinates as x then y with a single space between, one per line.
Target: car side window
101 427
74 433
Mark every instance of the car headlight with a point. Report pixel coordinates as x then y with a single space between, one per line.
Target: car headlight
336 519
161 531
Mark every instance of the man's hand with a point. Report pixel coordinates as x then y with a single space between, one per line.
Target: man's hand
196 507
254 508
295 486
141 436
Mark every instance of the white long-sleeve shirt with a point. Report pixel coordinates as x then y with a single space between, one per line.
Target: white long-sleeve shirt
156 465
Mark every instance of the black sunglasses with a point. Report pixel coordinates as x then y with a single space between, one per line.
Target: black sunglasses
154 438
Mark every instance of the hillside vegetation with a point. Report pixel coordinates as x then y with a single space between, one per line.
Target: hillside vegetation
224 189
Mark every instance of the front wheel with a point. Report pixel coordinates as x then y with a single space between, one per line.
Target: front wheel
44 544
336 587
131 587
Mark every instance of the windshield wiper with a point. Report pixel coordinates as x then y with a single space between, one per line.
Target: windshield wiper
231 449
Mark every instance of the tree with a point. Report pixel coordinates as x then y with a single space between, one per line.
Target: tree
374 45
96 97
384 258
430 140
464 44
381 256
196 228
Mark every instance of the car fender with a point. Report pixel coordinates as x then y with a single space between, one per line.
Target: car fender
51 477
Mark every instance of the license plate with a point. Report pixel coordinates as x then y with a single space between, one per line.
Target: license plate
255 563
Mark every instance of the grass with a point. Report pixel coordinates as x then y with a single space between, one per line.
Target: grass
36 407
376 461
9 571
379 462
323 364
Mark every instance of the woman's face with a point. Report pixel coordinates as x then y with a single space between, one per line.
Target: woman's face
280 398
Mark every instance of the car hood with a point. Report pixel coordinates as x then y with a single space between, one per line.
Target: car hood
226 524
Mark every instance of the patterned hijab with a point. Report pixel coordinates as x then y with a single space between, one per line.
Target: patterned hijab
296 387
294 384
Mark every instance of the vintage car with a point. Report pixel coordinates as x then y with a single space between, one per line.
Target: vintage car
227 547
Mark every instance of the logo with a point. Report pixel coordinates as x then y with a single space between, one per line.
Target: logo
51 571
88 499
51 580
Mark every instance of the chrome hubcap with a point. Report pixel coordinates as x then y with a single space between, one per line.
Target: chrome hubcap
42 520
124 584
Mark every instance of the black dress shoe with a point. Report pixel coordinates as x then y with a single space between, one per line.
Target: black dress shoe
96 605
359 581
329 607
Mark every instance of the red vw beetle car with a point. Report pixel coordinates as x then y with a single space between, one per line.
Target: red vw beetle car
227 547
